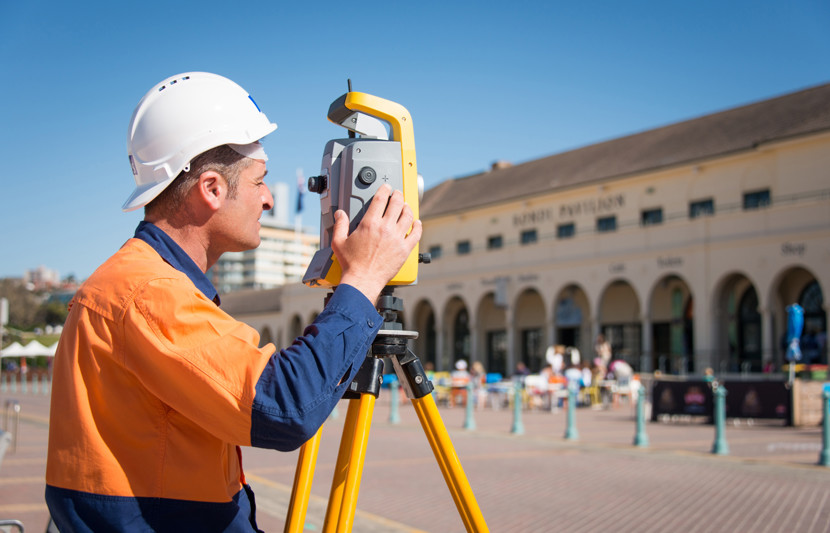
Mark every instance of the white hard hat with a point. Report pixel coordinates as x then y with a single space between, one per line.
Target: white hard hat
182 117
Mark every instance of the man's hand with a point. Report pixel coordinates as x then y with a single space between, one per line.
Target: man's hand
378 247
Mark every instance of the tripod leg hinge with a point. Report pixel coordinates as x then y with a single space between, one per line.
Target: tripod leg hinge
412 376
367 380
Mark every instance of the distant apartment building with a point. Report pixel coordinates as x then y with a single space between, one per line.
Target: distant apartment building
41 278
282 256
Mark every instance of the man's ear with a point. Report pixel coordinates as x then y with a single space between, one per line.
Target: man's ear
212 189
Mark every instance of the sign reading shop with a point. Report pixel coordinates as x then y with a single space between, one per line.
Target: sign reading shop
592 206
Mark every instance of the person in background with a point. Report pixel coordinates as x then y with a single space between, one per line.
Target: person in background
478 377
521 371
603 350
556 358
575 356
459 378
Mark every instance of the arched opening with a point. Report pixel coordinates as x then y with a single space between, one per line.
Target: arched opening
492 329
530 321
265 336
296 328
814 337
620 322
672 326
461 336
426 344
749 332
572 327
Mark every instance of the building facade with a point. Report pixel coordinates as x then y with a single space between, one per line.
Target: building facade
683 245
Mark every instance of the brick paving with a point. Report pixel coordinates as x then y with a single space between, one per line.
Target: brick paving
534 481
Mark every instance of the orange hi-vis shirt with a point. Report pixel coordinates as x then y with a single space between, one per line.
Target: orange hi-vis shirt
155 387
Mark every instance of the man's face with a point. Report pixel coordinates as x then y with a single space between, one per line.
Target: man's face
240 215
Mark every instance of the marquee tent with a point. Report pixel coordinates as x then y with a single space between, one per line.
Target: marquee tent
33 349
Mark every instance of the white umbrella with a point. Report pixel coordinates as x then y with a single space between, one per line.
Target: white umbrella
35 349
14 349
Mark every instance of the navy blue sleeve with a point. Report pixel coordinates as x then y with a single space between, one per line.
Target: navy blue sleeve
300 385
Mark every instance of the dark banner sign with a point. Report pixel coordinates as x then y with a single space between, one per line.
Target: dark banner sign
692 398
744 399
759 399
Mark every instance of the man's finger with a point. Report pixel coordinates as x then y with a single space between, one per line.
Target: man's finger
395 205
378 205
340 230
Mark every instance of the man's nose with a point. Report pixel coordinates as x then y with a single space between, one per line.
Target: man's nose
267 200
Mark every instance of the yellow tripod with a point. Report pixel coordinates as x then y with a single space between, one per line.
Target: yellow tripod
363 391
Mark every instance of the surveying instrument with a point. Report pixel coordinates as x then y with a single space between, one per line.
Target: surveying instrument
352 171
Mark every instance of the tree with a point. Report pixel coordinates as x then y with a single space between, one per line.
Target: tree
51 313
23 303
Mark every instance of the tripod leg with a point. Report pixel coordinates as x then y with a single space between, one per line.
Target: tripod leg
454 476
349 468
295 521
341 466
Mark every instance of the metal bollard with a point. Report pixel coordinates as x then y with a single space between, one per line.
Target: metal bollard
394 400
518 427
469 419
4 386
824 456
12 405
720 447
570 432
640 438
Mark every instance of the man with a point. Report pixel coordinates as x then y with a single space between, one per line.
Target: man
155 387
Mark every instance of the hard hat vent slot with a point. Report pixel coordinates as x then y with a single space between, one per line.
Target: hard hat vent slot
174 82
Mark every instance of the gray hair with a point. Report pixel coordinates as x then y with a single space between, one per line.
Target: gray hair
222 159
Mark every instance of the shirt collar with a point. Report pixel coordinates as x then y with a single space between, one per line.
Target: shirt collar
173 254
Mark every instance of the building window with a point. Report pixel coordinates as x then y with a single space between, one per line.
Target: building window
702 208
606 224
651 217
462 247
435 251
494 242
529 236
756 199
565 231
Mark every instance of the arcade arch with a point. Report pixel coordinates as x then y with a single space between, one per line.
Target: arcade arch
457 319
671 314
799 285
619 321
265 336
296 327
425 346
737 327
572 325
492 327
529 319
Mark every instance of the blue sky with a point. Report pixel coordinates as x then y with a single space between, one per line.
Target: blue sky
483 81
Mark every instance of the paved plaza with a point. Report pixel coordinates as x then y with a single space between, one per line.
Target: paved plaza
530 480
